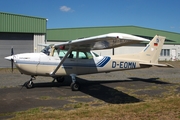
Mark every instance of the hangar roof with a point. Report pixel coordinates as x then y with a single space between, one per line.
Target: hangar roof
65 34
21 23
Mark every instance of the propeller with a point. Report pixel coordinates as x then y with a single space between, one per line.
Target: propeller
12 60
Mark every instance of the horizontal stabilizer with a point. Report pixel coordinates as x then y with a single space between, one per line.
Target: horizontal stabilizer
157 65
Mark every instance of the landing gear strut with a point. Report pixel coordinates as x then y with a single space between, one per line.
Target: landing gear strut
75 86
29 84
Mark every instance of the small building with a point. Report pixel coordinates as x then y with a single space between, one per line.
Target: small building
21 32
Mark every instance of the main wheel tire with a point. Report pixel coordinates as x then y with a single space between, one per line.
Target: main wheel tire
60 79
75 86
29 84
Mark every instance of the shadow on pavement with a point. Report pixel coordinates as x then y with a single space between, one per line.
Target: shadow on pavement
67 82
96 90
107 94
102 92
149 80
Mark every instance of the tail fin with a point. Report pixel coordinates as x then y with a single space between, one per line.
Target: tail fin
151 52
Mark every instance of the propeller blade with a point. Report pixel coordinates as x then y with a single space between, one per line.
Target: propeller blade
12 60
12 51
12 64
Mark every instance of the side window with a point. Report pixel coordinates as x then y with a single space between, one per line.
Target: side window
89 55
82 55
62 53
85 55
72 54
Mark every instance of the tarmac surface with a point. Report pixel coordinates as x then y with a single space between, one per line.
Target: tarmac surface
118 87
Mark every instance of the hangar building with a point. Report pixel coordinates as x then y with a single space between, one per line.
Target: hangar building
20 32
23 33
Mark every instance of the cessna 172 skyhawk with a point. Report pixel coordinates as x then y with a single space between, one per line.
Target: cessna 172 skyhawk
76 57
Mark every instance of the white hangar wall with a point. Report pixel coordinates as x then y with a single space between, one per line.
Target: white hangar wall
170 53
38 39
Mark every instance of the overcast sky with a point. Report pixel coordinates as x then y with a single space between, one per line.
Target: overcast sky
156 14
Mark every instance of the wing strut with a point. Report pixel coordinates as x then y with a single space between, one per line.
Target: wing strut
61 62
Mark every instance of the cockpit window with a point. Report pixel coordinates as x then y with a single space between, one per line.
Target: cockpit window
55 53
85 55
73 54
46 50
62 53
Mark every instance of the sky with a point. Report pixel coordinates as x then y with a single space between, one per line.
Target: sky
155 14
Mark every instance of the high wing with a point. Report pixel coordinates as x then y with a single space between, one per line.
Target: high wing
99 42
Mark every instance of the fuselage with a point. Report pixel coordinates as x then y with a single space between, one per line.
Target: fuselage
40 64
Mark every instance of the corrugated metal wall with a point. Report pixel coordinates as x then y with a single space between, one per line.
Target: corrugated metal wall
20 23
38 38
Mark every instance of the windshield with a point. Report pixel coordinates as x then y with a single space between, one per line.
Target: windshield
46 50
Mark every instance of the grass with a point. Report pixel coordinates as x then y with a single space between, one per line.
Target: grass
76 105
166 108
44 97
8 70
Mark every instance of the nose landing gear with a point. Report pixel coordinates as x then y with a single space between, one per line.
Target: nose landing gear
29 84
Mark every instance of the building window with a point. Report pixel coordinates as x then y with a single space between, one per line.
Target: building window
165 52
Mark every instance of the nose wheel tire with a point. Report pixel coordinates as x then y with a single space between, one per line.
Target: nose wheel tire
29 84
75 86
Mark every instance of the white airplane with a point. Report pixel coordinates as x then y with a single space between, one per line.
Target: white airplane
76 58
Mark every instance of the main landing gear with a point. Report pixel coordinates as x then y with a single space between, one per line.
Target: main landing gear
29 84
75 86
